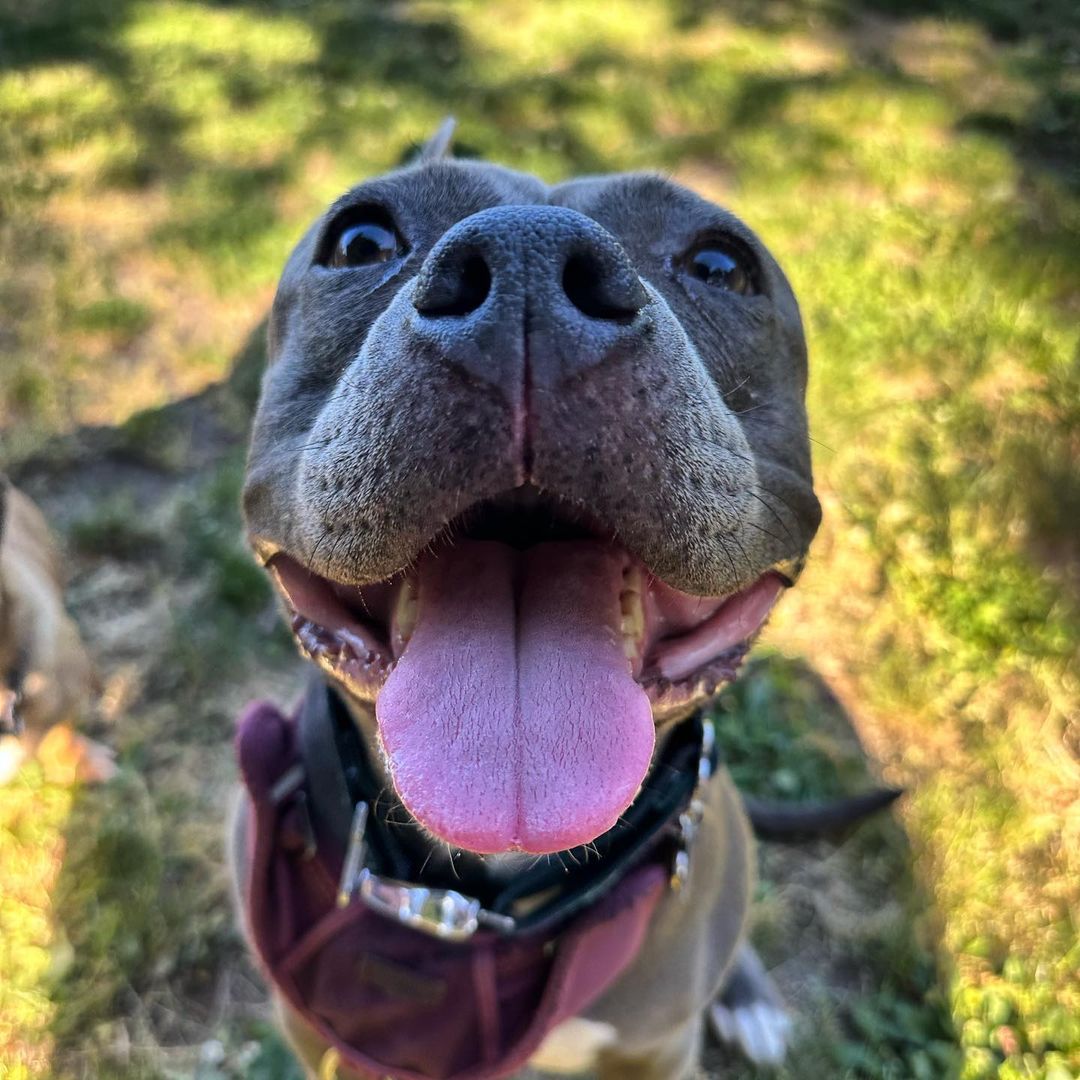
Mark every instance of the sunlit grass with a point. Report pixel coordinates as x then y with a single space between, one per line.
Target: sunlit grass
32 818
911 171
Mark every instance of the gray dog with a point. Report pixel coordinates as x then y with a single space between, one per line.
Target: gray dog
530 468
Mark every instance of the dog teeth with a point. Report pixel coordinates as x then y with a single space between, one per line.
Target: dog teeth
314 640
351 647
632 626
403 621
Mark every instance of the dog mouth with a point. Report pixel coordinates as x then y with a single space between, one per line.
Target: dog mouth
519 669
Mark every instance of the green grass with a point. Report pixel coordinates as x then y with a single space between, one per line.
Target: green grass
30 853
875 1007
113 527
915 165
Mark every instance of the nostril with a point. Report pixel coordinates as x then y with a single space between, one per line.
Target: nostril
600 291
456 289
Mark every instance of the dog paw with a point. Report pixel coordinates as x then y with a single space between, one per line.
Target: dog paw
759 1030
749 1012
98 764
12 756
67 757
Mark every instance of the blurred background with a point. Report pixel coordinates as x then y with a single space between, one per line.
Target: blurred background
914 165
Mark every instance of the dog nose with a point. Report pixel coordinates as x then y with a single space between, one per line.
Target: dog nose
542 281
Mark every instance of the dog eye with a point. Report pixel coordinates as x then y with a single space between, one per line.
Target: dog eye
722 267
364 243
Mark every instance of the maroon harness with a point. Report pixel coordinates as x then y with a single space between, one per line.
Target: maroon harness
417 982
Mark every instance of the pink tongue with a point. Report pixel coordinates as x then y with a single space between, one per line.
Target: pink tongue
515 723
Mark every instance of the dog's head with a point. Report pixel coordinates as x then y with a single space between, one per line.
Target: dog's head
530 468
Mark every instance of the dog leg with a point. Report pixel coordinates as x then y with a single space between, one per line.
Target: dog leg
66 757
749 1013
676 1059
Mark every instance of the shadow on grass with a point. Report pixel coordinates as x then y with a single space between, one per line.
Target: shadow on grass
840 920
1046 38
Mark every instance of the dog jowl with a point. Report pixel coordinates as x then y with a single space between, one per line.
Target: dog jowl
530 468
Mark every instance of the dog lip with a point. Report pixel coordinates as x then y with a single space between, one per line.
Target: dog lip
678 646
264 549
733 621
327 630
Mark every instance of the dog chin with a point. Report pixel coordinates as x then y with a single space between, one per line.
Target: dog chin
518 670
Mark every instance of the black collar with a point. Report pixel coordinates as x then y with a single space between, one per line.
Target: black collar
339 778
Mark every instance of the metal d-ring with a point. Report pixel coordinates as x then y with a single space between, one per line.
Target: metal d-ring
443 913
690 818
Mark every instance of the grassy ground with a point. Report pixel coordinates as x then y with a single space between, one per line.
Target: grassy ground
916 166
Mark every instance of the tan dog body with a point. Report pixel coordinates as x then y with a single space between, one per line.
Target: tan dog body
40 648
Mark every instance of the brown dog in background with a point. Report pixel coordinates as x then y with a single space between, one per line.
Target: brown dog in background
46 680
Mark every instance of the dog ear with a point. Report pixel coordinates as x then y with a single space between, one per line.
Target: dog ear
440 144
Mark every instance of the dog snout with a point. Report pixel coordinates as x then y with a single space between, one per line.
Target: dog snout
544 282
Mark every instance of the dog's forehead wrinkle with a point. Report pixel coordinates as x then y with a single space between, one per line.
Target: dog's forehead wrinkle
652 206
442 191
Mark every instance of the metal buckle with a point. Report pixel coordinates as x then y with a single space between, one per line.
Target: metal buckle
354 855
443 913
708 745
690 818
